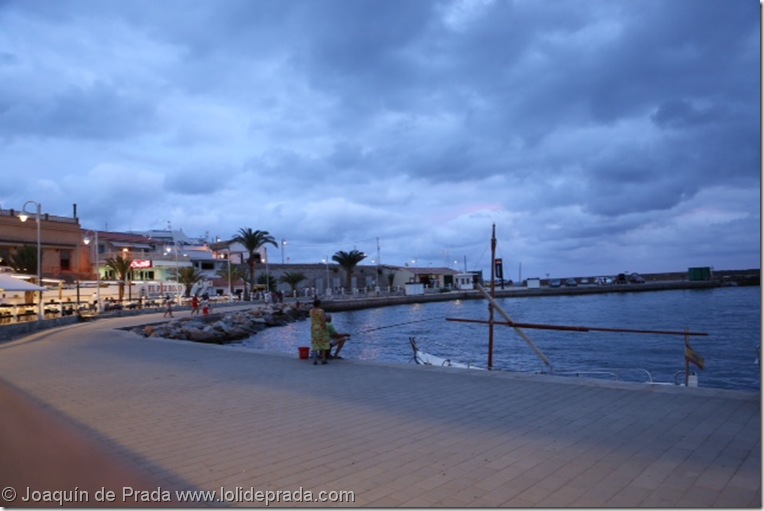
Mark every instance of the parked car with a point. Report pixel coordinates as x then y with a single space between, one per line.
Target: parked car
603 281
555 283
570 283
636 278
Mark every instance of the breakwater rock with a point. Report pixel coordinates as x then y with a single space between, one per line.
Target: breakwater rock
225 327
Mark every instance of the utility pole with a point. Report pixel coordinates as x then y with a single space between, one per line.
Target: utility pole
376 278
493 295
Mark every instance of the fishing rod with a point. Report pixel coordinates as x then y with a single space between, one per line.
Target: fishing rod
398 324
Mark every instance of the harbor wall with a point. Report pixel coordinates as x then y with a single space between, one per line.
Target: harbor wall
348 304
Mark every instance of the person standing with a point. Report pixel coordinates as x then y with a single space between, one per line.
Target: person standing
205 306
194 305
319 333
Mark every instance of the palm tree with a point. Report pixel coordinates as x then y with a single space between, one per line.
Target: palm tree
293 278
121 267
189 276
24 260
252 241
348 261
268 281
235 275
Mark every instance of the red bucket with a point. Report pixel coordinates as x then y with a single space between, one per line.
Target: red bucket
304 352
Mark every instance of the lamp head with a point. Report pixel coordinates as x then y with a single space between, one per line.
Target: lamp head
23 217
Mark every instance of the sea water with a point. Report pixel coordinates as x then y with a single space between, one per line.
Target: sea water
731 316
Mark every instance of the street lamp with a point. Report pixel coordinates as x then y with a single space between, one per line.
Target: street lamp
283 249
86 240
177 268
267 277
228 258
328 288
23 217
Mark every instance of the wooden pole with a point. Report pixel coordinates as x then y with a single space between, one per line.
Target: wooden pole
493 293
567 328
686 361
511 323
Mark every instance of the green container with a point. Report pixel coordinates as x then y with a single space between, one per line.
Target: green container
699 274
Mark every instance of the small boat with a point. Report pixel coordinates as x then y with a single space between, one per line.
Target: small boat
423 358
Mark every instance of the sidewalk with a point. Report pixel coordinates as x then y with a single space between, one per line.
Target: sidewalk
174 415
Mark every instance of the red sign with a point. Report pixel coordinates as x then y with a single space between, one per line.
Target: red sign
140 264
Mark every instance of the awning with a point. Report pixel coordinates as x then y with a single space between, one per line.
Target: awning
122 244
10 283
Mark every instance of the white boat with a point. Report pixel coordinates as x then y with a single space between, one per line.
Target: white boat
423 358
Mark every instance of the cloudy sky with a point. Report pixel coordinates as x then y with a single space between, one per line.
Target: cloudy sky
598 136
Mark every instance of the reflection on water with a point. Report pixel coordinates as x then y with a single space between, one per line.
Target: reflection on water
732 317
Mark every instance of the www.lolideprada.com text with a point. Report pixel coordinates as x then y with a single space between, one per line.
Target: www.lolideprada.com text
242 494
129 495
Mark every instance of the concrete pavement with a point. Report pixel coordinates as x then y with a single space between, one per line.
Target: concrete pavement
175 416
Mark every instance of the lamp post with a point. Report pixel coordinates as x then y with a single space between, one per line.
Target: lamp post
267 278
23 217
283 249
177 267
328 288
228 258
230 285
86 239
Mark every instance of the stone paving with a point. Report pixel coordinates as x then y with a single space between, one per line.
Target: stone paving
175 415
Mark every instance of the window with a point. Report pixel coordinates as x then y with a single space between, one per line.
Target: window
66 260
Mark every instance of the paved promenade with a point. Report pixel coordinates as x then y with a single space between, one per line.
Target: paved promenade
100 409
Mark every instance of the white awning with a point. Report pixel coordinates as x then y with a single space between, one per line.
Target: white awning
10 283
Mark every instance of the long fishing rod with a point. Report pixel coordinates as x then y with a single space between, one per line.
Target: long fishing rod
398 324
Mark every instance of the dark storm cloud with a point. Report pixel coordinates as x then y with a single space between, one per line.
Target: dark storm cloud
582 127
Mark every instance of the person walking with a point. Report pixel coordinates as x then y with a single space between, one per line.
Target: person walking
319 333
167 307
194 305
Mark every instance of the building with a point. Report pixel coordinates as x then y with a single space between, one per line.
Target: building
60 243
431 278
465 281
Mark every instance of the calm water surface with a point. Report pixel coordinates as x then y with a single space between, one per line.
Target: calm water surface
731 316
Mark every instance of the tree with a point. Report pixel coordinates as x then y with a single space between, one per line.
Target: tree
252 241
348 261
235 275
293 278
121 267
24 260
268 281
189 276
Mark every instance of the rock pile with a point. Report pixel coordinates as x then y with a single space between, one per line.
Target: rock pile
225 327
